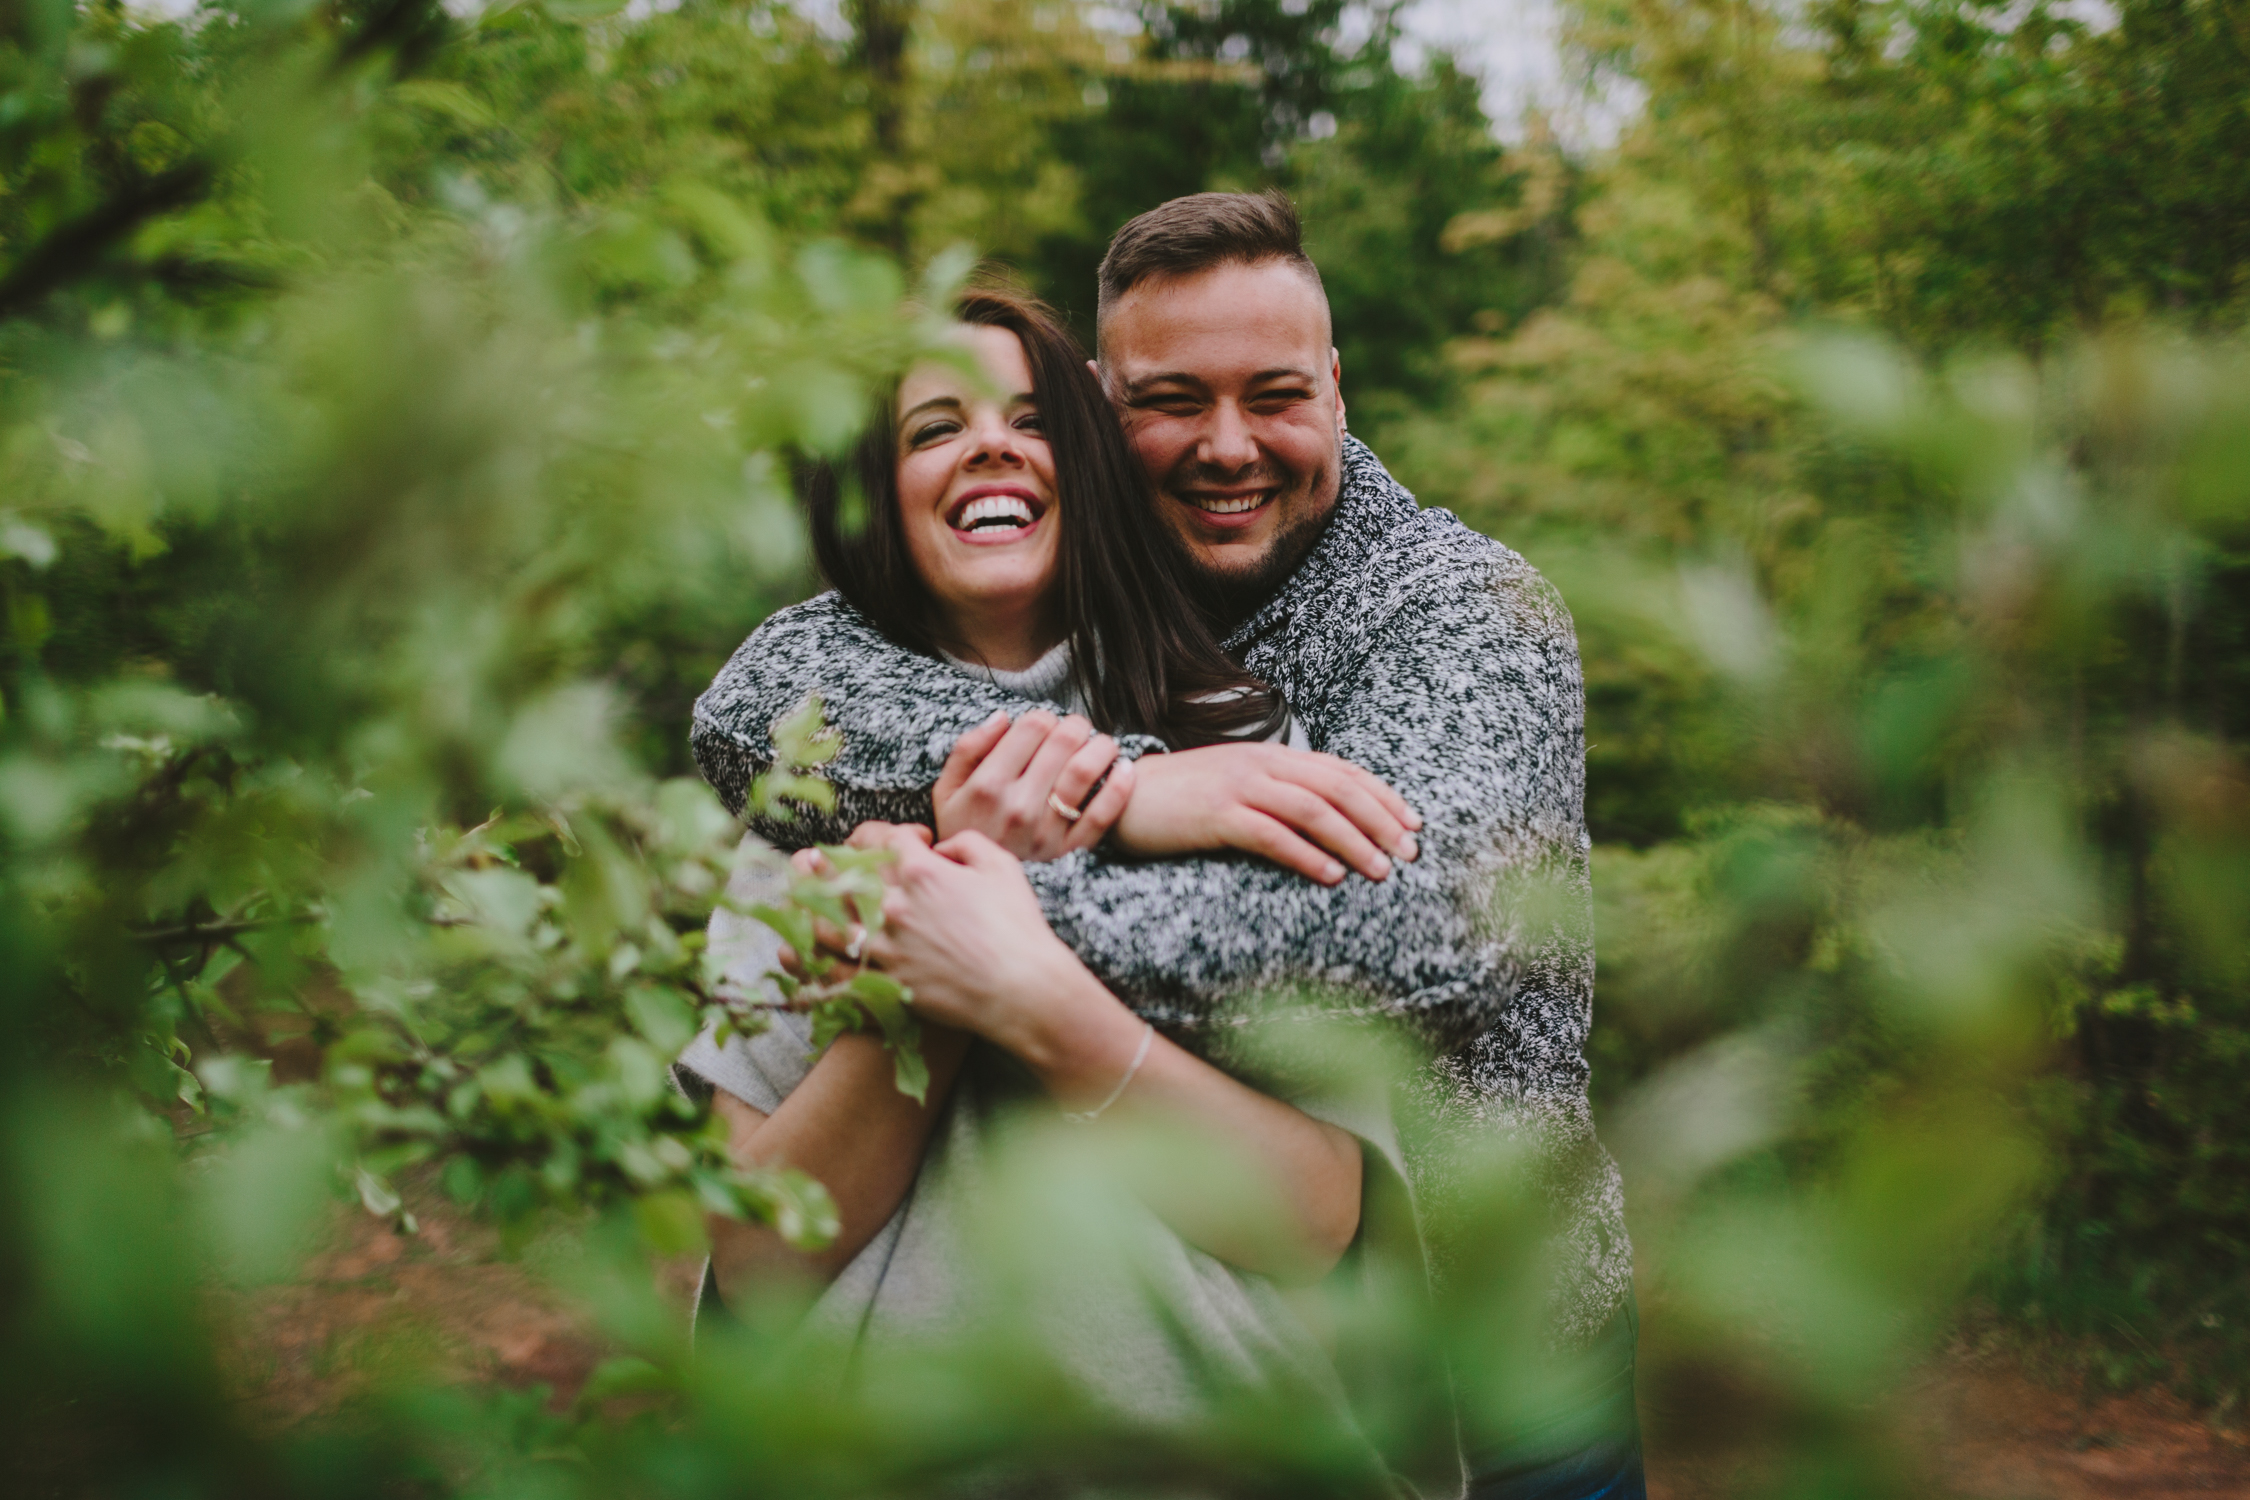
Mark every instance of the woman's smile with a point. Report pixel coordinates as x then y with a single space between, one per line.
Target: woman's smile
995 515
977 501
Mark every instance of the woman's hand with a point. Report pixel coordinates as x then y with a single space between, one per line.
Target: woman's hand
1307 812
1024 785
962 928
963 931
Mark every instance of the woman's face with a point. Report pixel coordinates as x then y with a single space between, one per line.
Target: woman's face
976 481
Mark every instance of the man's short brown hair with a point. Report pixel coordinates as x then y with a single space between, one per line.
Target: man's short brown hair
1199 232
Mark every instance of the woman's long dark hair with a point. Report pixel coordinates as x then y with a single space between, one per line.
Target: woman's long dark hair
1143 654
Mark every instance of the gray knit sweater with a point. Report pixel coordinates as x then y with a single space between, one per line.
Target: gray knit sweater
1408 644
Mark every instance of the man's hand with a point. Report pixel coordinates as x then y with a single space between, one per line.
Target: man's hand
1017 784
1307 812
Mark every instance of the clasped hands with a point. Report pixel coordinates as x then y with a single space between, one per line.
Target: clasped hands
961 925
1016 783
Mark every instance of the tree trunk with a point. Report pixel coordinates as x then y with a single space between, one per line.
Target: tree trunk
881 28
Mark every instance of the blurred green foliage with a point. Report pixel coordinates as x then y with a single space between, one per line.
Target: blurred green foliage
395 410
1889 445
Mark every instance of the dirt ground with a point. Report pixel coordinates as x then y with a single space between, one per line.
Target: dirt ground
444 1304
2006 1437
1980 1428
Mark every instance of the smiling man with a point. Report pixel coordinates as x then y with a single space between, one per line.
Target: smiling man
1442 662
1228 385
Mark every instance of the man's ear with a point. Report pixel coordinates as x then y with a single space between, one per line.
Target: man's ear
1336 378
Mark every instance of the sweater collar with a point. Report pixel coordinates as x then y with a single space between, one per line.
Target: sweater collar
1048 677
1370 504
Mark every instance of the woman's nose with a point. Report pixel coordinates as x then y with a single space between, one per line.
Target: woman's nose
996 442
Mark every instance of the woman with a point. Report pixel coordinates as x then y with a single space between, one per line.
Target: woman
1008 557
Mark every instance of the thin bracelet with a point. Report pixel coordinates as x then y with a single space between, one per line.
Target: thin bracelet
1088 1116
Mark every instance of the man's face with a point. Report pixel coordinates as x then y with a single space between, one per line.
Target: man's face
1228 388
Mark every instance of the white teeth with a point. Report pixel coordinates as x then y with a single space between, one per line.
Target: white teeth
1234 507
1007 509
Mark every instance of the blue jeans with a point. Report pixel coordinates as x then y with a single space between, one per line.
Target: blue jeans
1606 1471
1590 1449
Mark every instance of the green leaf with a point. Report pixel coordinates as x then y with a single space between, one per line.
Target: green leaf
910 1071
623 1375
876 989
770 790
464 1180
449 100
794 925
798 1207
884 999
378 1196
820 898
802 738
831 1020
671 1222
661 1015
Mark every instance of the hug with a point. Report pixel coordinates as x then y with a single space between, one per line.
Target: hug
1191 733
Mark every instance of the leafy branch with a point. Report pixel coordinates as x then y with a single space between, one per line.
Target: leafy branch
838 994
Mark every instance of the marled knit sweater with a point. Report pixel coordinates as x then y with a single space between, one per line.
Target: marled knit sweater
1410 645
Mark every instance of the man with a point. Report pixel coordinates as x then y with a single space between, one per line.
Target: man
1441 662
1438 660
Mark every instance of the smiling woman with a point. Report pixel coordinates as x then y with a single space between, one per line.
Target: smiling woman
1010 555
1007 525
976 493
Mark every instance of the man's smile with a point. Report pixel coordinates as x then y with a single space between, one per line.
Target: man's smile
1229 505
1227 509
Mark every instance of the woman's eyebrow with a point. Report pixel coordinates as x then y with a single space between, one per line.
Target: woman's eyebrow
1020 398
922 406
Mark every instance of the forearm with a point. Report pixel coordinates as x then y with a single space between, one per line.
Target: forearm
1474 717
847 1126
1276 1191
1424 948
733 771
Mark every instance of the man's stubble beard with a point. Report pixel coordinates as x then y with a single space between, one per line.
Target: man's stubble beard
1233 595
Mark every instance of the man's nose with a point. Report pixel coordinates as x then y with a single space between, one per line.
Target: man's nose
1227 441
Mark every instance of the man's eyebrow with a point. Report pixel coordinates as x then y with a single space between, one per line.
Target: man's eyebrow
1181 377
1169 377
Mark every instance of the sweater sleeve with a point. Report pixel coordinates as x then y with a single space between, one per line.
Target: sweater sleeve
1465 695
732 763
897 714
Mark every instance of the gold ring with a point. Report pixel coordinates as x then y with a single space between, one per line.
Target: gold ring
1063 810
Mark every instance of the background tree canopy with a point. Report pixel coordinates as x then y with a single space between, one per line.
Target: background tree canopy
396 409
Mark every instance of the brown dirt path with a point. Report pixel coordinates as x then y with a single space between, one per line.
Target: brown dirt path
1977 1427
446 1305
443 1305
2009 1438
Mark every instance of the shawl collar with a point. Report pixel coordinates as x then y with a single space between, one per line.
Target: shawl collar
1370 504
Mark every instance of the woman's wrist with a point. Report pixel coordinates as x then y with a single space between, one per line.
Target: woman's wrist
1069 1030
